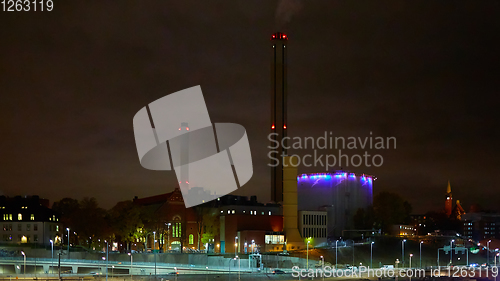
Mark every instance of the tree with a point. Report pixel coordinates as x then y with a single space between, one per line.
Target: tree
125 220
389 209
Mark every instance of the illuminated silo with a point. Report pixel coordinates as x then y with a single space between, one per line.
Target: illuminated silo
341 194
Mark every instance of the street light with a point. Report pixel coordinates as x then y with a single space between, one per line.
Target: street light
52 262
371 254
308 252
22 252
67 228
253 244
154 248
235 246
403 252
168 237
336 254
488 255
421 242
411 255
131 264
451 251
107 258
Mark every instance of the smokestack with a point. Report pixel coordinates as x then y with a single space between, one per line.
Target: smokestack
278 111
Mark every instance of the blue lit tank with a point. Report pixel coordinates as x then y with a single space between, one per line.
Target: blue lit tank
341 194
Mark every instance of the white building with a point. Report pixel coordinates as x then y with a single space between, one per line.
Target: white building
313 227
28 220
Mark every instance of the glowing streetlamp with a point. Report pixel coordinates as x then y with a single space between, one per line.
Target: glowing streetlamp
451 251
403 252
336 254
22 252
371 254
67 229
488 255
52 262
420 255
308 241
154 248
235 246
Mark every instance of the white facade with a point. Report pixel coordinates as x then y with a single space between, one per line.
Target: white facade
313 226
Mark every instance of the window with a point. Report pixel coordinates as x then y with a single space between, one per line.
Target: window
269 212
176 230
35 227
19 227
5 217
19 217
57 228
10 227
10 217
232 211
35 238
28 226
191 239
32 217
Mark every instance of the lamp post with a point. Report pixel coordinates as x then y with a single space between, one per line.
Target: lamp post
235 246
323 267
420 255
52 261
168 237
22 252
307 262
253 244
154 248
451 251
67 228
107 260
371 254
131 264
488 254
403 252
336 254
411 255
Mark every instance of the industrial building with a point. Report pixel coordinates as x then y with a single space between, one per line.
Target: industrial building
247 225
340 194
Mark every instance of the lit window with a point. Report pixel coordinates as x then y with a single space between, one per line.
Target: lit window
19 217
10 217
232 211
228 211
191 239
57 228
269 212
32 217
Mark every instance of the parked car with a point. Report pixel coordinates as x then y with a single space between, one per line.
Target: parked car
277 271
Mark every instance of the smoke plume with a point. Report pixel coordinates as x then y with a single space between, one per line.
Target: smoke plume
285 10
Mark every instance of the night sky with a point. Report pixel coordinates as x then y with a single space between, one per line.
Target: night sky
427 73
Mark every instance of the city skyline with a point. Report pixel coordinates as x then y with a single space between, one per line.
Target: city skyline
70 91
